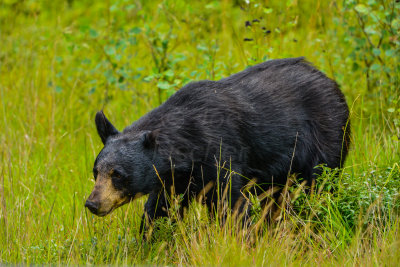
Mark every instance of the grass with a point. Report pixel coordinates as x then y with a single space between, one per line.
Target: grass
61 61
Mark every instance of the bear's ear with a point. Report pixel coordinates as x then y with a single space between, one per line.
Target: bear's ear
104 127
149 138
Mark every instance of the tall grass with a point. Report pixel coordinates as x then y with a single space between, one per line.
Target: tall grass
61 61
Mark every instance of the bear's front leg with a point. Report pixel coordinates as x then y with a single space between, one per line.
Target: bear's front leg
155 207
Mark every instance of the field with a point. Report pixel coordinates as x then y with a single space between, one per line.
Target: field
62 61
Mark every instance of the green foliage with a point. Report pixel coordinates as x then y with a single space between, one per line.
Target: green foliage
61 61
373 31
373 197
374 40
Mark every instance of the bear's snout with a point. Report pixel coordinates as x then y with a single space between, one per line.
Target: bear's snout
104 197
92 206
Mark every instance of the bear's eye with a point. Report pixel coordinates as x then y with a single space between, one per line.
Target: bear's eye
116 174
95 172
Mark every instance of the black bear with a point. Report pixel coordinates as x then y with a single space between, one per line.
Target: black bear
279 117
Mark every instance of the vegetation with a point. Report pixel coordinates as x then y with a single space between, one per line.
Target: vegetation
61 61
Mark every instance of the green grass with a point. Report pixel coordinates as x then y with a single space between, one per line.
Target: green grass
60 63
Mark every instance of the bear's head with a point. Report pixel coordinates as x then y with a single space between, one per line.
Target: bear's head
124 168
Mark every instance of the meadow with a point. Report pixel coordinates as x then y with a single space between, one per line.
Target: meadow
62 61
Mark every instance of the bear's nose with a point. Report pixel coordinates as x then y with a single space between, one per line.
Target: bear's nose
92 206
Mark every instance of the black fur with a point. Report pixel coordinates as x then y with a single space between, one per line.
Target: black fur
279 117
104 127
